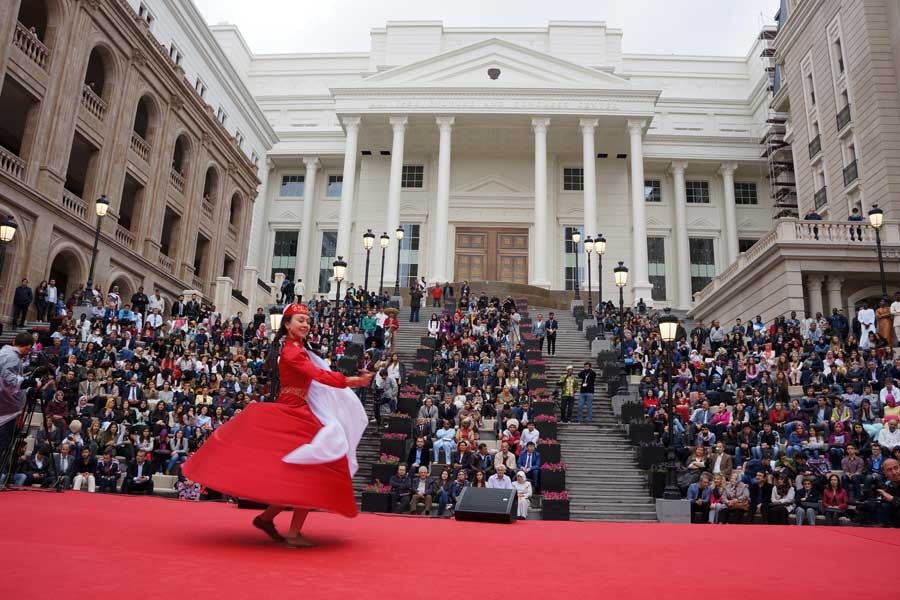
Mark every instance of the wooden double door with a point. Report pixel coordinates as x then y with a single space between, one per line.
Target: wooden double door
491 254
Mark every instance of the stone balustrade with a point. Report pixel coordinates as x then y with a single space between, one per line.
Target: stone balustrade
93 103
31 46
74 204
12 164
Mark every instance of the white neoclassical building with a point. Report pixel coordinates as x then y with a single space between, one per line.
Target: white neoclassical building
489 147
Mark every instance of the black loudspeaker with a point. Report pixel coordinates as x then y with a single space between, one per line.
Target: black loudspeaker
486 505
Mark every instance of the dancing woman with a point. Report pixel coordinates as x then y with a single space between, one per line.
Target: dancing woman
299 451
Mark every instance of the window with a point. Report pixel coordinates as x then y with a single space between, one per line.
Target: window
839 55
697 192
656 258
571 250
652 190
335 185
292 186
145 14
811 89
703 263
200 87
745 244
409 255
221 115
284 254
327 255
413 176
573 179
239 138
175 53
745 193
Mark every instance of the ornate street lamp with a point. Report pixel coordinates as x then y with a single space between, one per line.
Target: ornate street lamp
385 241
8 227
600 248
621 273
368 242
588 249
276 313
101 207
876 219
576 238
399 235
668 326
340 270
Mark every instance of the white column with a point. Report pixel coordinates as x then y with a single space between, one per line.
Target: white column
306 225
679 229
814 289
442 206
731 235
348 187
398 124
834 285
640 281
541 277
588 126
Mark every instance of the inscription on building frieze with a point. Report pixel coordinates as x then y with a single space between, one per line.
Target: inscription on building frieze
505 104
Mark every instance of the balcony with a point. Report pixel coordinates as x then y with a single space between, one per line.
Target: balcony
208 210
167 264
197 284
851 173
821 197
93 103
140 146
12 164
815 146
843 117
31 46
74 204
177 180
125 237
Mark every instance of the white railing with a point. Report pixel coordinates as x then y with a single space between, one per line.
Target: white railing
207 209
166 263
829 231
92 102
74 204
28 42
177 180
125 237
140 146
12 164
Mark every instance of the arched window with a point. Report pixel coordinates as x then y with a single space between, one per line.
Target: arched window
96 78
211 185
181 155
234 214
34 16
145 118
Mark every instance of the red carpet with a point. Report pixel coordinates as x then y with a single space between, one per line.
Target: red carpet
156 548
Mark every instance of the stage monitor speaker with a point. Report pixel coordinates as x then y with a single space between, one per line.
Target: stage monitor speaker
486 505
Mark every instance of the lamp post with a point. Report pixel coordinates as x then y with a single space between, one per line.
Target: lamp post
589 249
8 227
340 269
399 235
276 313
668 325
368 242
600 248
101 207
876 219
576 237
621 281
385 241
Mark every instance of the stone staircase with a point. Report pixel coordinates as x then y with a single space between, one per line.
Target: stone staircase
9 333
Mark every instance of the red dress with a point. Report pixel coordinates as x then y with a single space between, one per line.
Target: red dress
243 457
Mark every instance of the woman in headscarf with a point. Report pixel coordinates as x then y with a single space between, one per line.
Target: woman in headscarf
523 492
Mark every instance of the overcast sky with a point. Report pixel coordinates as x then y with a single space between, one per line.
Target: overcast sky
721 27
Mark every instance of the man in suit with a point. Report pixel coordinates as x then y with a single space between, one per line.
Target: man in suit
138 480
401 491
552 328
530 462
65 465
37 469
89 387
178 308
107 473
483 461
698 496
721 462
462 458
132 392
418 456
21 301
193 308
539 330
423 489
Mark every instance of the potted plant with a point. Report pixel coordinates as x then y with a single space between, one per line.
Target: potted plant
394 443
555 506
376 497
417 377
549 450
553 477
535 367
385 467
547 426
399 422
408 402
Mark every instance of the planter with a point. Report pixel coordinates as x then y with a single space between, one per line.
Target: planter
650 456
632 411
536 369
426 353
547 430
543 408
376 502
418 380
399 425
382 473
409 406
429 342
640 433
536 384
395 447
555 510
550 453
532 344
552 481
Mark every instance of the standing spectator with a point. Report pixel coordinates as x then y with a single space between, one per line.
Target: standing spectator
287 291
299 291
569 385
156 302
415 303
436 293
40 300
139 301
895 312
587 377
539 330
52 299
21 301
552 328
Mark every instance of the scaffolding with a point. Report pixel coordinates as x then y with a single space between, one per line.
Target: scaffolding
776 150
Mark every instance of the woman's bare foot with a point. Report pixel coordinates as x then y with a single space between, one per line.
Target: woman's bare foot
298 542
269 528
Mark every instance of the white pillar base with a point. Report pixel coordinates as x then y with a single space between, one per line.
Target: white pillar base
642 289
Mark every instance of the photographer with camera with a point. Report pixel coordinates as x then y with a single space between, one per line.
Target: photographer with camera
12 382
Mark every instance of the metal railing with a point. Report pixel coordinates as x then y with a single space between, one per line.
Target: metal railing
843 117
821 197
851 173
815 146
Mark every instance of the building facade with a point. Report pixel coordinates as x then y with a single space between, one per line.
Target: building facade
835 106
135 101
490 147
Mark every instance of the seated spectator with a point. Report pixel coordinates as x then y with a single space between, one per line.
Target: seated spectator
499 480
736 500
505 458
716 497
523 495
423 489
188 490
721 462
889 437
138 479
401 490
479 481
38 469
178 451
444 491
834 500
511 435
107 474
483 462
84 470
418 456
854 468
64 466
807 503
446 441
760 496
463 459
837 445
698 496
782 503
696 464
530 464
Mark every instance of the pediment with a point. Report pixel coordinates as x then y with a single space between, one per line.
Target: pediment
492 185
655 223
701 223
519 67
287 216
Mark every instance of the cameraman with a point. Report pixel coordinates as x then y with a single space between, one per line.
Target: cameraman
12 398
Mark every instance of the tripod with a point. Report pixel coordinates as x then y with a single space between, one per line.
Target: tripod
10 454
